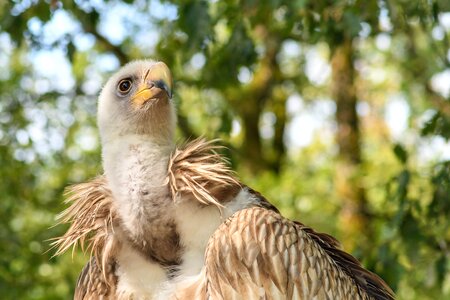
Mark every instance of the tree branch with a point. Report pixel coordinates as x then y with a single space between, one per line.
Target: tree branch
89 26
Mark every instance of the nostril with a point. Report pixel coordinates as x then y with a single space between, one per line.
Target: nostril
159 84
162 85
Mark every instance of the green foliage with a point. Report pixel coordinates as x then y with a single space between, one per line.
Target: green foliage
239 69
439 124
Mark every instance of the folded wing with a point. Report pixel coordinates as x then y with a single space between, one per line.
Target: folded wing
258 254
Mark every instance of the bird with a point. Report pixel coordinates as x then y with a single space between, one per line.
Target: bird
168 221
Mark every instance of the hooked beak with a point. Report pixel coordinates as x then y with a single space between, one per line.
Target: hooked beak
157 85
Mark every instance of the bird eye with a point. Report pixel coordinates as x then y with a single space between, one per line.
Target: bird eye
124 85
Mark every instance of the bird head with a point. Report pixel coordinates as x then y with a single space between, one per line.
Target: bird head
137 100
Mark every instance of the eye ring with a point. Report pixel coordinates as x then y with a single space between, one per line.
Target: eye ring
124 85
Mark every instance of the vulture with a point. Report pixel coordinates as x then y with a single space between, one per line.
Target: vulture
168 221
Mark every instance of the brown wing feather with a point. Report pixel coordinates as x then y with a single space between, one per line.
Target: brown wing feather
259 254
371 283
96 283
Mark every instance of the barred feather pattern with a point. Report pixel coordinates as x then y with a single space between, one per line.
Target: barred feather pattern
92 283
258 254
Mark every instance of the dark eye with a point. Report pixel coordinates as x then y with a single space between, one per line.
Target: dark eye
124 85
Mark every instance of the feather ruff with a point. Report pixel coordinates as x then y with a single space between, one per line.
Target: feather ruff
91 215
194 170
197 169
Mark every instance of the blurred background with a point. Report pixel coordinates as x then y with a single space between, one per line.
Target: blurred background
337 111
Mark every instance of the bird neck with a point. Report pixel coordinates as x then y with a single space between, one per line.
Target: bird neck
136 169
131 159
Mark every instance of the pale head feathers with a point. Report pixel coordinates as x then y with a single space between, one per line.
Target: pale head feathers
136 100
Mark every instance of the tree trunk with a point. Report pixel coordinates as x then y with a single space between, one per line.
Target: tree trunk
251 147
353 219
279 99
250 103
